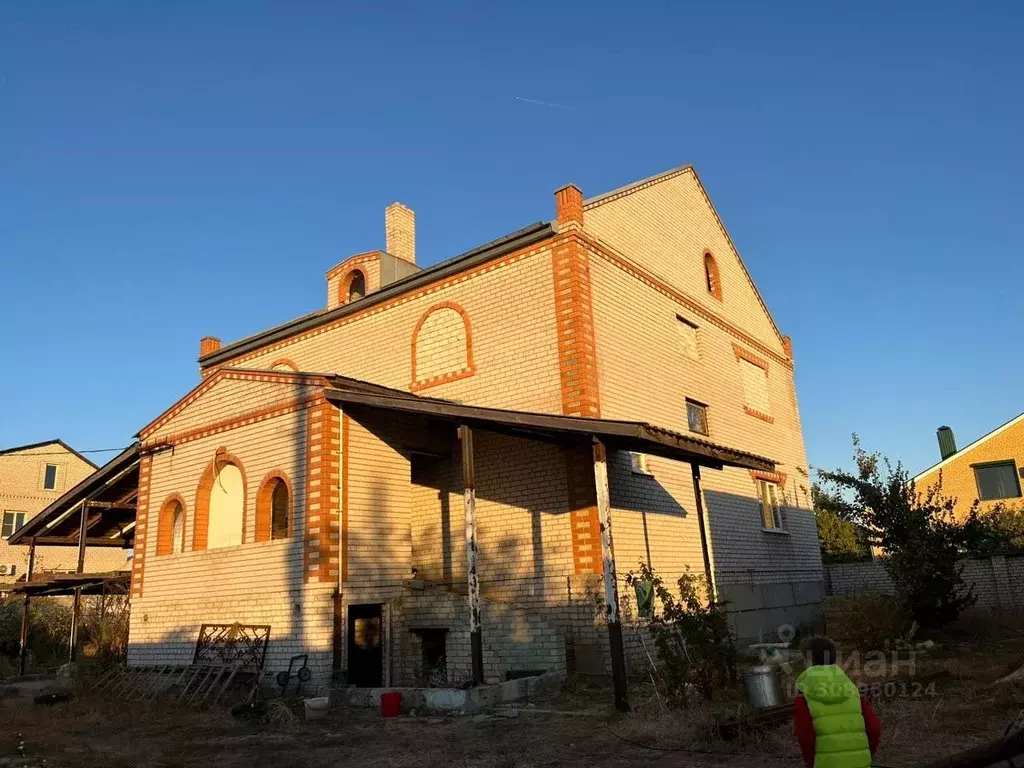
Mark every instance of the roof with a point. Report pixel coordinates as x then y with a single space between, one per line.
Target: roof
115 479
66 583
970 446
44 443
518 239
638 436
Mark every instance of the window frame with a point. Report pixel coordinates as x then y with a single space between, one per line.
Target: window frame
16 523
704 410
56 476
1012 463
276 485
778 520
712 275
638 464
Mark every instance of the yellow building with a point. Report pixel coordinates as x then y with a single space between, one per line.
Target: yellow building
987 471
31 478
316 479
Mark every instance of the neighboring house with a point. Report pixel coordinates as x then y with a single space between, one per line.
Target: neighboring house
313 481
988 471
31 478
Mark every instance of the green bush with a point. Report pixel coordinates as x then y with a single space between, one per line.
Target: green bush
49 628
869 621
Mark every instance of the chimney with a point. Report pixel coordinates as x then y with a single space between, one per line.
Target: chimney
947 443
400 232
208 345
569 205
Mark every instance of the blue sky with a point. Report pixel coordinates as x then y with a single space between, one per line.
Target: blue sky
866 159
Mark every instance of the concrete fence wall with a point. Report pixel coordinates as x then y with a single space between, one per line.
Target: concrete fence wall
996 580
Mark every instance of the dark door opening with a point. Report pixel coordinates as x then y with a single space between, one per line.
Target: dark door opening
365 646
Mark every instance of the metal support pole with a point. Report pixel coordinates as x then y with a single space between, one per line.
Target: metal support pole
611 585
472 581
699 497
23 648
76 611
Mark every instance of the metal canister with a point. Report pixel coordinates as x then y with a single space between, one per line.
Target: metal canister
764 686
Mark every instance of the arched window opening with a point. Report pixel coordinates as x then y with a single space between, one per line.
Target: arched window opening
279 511
178 530
356 286
170 538
711 276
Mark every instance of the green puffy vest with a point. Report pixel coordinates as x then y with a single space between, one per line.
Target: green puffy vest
841 740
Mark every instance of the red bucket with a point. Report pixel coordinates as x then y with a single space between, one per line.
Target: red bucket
391 704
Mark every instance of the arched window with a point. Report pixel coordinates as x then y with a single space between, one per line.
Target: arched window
273 508
356 286
712 279
220 504
170 537
442 346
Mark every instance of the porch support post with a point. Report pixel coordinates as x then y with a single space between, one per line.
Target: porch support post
23 647
699 500
76 610
472 581
611 585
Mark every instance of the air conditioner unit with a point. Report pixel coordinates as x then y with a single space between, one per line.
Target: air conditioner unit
8 570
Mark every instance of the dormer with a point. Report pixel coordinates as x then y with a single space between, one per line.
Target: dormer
365 273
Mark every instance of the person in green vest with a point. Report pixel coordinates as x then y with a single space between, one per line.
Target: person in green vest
835 725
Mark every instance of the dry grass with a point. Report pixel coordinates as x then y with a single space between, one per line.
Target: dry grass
965 710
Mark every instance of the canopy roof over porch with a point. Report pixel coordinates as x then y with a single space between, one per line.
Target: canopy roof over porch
109 493
53 584
638 436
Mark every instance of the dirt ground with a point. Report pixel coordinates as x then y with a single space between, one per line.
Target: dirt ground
574 728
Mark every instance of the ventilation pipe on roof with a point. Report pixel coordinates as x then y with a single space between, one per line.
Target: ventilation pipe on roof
947 443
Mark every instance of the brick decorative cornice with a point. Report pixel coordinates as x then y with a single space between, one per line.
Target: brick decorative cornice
750 357
603 250
779 478
352 262
758 414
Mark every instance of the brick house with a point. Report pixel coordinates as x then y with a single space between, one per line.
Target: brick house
31 478
315 480
988 471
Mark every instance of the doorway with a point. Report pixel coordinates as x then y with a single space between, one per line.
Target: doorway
365 646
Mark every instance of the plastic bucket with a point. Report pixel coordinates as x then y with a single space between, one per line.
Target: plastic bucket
317 708
391 704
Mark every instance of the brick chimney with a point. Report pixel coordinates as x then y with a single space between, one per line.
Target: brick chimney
569 205
400 232
208 345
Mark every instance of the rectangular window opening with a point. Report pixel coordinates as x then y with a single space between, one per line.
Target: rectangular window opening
688 338
697 417
771 509
997 480
638 463
12 522
50 478
755 387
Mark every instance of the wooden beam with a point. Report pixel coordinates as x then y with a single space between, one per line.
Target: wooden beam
702 526
611 585
23 648
72 541
472 579
111 505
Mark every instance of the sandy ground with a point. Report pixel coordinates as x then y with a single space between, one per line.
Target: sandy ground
962 710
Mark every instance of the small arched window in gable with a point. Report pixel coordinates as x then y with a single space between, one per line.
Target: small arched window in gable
273 508
355 286
170 539
442 346
712 278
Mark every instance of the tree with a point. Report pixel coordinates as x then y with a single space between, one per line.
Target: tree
841 541
998 531
918 532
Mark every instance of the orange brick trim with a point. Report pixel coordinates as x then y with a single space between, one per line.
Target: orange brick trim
286 362
779 478
322 535
750 357
352 262
165 524
141 526
712 276
569 204
242 420
279 377
586 531
201 521
346 427
574 318
431 288
462 373
787 344
631 188
606 252
265 504
758 414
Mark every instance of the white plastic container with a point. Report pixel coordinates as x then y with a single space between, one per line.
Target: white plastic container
316 708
